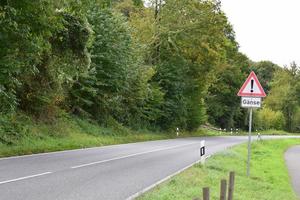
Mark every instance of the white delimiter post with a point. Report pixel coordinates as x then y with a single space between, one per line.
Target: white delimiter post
249 142
202 152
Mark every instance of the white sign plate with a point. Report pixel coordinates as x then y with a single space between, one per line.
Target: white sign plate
251 102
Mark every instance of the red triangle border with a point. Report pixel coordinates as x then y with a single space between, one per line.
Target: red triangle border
262 92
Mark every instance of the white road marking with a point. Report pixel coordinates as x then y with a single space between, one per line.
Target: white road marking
134 196
137 194
25 177
131 155
117 145
83 149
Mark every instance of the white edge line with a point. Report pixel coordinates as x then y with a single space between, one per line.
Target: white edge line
25 177
116 145
132 197
90 148
66 151
131 155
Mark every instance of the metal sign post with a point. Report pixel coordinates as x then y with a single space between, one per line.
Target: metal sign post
251 93
249 142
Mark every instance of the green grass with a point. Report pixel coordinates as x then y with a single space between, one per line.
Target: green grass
275 132
210 132
269 176
30 145
65 134
21 135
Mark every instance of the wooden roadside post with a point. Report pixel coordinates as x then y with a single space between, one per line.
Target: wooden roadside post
206 193
223 189
231 185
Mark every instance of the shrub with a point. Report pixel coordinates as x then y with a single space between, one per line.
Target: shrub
266 118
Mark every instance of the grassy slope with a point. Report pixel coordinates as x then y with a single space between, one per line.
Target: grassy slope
69 133
269 177
27 136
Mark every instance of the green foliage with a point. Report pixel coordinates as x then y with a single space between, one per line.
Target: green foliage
265 71
24 25
20 134
266 119
46 89
186 40
173 64
11 130
118 86
283 95
223 103
144 98
138 2
43 51
172 78
129 7
296 120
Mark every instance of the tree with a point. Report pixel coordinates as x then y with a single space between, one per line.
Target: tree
223 103
265 72
35 36
118 86
24 25
186 40
283 95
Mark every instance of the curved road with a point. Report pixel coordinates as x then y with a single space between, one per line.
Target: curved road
110 173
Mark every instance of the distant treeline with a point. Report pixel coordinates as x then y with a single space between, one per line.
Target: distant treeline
172 63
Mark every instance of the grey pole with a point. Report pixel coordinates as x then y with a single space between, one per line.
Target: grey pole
249 143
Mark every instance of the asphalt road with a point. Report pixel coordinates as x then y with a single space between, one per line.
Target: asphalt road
292 157
105 173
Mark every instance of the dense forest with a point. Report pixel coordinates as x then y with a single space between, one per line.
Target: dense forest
155 65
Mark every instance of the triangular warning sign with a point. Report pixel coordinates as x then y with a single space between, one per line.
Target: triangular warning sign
252 87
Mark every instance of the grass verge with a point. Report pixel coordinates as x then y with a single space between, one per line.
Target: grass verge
21 135
65 134
269 176
210 132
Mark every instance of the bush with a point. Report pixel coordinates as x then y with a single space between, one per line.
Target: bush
266 119
296 121
11 129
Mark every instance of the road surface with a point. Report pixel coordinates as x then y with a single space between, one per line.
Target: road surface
292 157
106 173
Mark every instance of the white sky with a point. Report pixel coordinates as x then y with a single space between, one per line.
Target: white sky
266 29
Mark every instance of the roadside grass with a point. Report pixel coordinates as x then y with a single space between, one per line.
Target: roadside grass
210 132
269 178
70 133
21 135
30 145
276 132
